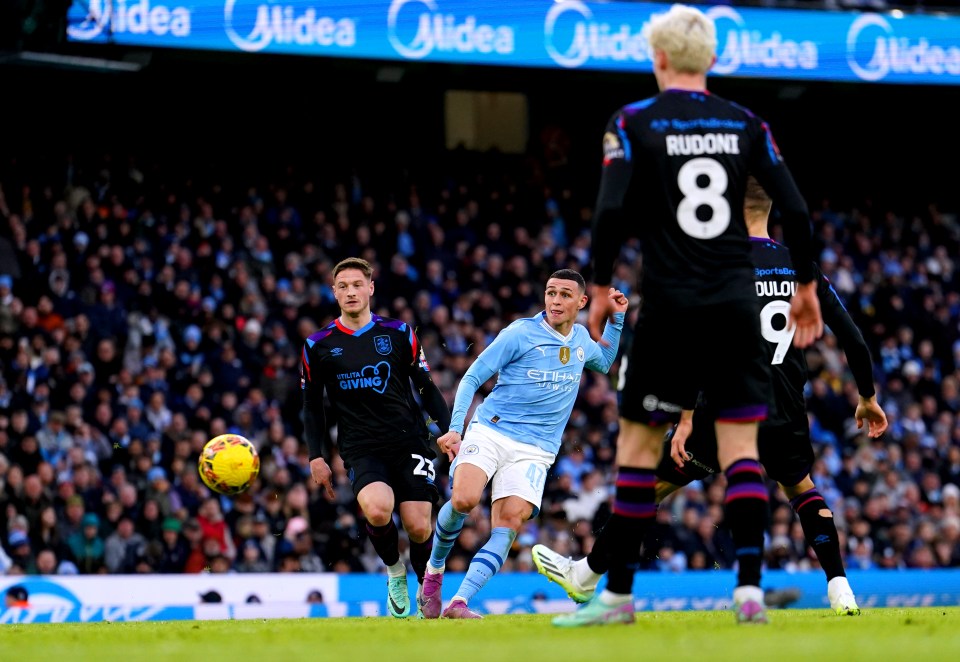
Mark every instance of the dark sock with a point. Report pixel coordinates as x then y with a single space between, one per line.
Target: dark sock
419 554
634 509
599 557
385 541
747 513
820 531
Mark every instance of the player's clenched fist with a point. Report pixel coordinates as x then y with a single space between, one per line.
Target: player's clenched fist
603 303
618 300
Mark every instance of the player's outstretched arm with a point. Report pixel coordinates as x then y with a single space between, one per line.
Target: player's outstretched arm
855 348
609 231
475 376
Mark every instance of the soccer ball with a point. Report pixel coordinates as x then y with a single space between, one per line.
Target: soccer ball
229 464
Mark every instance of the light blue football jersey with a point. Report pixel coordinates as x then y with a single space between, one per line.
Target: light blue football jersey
539 376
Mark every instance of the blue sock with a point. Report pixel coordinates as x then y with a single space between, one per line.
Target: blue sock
486 562
449 524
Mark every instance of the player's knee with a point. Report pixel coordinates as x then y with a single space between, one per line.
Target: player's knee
418 531
512 520
377 514
463 503
511 513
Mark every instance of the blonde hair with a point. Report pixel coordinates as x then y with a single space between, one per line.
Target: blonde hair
687 36
755 199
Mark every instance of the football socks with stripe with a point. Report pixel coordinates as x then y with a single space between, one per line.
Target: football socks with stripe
449 524
634 510
385 540
486 562
747 510
820 531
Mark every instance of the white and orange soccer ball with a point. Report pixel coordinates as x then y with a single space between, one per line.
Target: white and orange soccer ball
229 464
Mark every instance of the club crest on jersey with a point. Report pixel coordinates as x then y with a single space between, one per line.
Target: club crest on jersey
612 148
580 354
564 355
383 345
423 362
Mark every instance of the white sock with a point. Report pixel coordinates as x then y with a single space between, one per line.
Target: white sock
583 575
838 585
398 569
614 599
435 571
459 598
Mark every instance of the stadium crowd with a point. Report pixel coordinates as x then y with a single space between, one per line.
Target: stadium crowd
144 311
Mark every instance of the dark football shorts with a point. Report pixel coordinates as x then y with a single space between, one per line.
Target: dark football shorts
408 469
716 348
785 452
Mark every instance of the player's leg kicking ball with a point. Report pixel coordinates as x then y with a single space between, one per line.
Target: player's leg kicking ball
574 577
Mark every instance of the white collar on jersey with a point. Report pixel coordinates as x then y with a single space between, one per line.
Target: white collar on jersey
546 325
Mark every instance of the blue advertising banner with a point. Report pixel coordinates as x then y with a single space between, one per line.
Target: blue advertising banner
708 590
570 34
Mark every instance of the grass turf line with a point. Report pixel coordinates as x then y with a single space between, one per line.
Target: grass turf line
804 634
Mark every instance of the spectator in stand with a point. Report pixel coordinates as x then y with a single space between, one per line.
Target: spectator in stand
123 547
175 550
87 547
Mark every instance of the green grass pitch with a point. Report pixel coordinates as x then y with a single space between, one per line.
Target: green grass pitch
811 635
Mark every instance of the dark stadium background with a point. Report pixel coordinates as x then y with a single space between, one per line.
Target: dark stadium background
843 141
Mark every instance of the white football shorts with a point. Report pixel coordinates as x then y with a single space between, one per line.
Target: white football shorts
514 468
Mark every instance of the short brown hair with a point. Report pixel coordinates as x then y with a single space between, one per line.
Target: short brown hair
354 263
